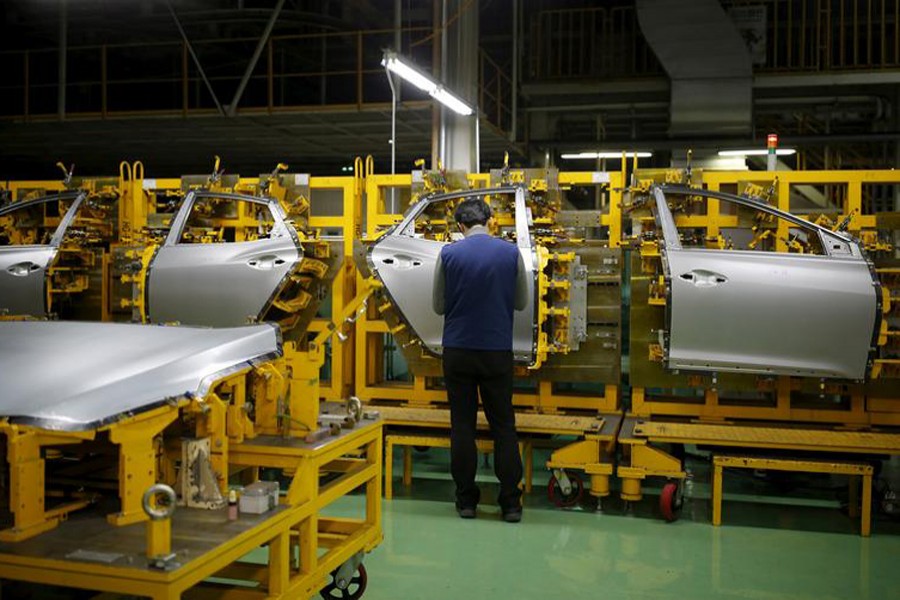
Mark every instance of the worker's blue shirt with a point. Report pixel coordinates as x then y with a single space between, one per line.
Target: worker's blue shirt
479 293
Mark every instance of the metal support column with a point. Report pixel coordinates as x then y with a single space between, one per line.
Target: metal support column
63 42
459 133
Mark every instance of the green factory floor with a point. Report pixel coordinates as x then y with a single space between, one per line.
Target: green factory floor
781 538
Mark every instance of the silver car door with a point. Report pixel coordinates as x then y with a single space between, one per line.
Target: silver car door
23 269
768 312
525 327
405 265
220 284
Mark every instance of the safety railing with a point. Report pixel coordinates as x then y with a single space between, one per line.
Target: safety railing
294 72
814 35
495 92
782 35
588 43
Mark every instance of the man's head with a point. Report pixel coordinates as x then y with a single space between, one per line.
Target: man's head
471 212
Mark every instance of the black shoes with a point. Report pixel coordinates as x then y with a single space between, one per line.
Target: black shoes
467 512
512 516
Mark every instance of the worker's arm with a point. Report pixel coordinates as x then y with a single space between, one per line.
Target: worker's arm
521 285
437 292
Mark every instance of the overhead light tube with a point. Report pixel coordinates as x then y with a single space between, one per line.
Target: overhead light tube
757 152
606 154
409 72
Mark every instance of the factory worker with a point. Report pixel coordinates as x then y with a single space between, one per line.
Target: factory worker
478 282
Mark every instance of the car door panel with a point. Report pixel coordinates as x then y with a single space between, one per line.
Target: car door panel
770 313
763 312
405 265
219 284
23 270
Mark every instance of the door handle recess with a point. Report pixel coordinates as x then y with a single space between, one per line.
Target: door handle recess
266 263
402 262
703 278
23 269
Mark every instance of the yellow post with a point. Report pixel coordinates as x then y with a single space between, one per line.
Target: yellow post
389 468
373 487
717 496
159 538
304 391
137 460
159 527
866 525
26 480
279 564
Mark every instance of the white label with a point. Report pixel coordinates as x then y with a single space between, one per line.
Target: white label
599 177
301 179
149 184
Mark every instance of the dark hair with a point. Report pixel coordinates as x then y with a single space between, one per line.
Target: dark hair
472 211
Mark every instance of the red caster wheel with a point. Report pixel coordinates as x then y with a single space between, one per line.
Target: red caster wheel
670 501
352 589
559 497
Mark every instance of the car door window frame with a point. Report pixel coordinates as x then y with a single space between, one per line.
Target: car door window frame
65 221
833 243
278 216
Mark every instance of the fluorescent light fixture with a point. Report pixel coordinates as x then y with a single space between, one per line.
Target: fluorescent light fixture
757 152
451 102
408 72
607 154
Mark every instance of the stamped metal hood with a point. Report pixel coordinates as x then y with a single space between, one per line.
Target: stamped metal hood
78 376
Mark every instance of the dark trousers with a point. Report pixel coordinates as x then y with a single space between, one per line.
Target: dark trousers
466 373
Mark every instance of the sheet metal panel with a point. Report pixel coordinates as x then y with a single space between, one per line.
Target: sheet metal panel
78 376
759 312
405 265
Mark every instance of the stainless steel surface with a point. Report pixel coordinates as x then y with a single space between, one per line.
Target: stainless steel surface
23 269
405 265
78 376
578 304
220 285
769 312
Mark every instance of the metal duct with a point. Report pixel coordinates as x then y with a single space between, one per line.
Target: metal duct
708 64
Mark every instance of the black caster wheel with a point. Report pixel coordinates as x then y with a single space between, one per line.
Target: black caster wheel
354 589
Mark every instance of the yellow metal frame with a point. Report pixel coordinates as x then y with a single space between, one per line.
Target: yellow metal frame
408 442
297 525
643 459
419 393
856 471
134 207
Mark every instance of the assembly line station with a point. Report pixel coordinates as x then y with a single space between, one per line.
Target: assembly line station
220 367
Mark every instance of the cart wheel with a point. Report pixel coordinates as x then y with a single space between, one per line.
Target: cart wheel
555 493
670 502
355 588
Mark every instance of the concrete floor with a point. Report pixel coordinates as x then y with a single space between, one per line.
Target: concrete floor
798 546
784 538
